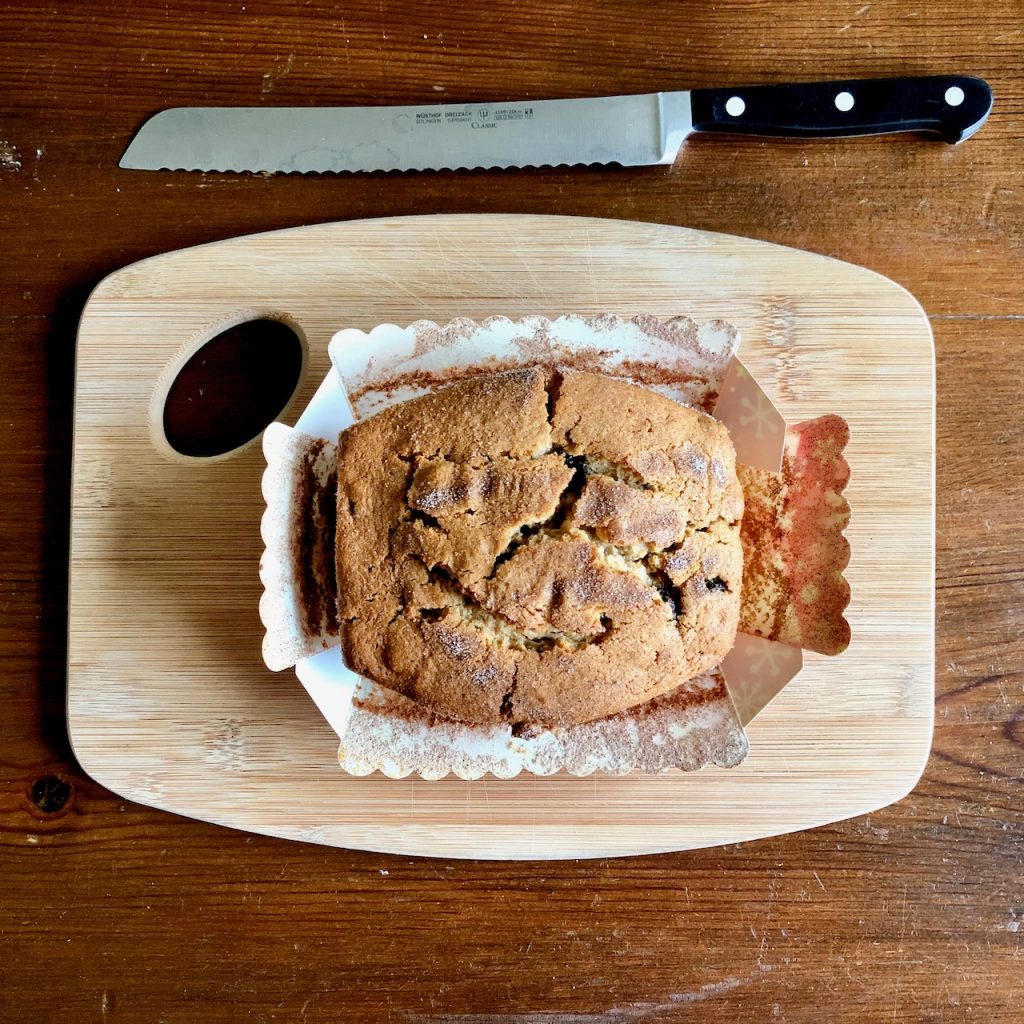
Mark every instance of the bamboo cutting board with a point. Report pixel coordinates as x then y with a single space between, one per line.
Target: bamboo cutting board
169 703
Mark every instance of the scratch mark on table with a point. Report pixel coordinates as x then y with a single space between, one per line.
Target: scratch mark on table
10 158
902 962
709 991
613 1015
344 36
114 66
271 78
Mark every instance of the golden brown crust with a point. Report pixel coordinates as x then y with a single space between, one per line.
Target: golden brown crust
650 441
510 548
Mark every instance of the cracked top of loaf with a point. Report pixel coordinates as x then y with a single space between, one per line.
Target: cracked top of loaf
537 547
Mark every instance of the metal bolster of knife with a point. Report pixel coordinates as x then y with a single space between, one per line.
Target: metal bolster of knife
673 122
951 106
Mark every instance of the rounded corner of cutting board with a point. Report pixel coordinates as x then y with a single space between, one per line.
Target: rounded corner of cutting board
345 273
90 758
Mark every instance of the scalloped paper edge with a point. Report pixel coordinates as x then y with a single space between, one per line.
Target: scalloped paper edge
391 734
286 640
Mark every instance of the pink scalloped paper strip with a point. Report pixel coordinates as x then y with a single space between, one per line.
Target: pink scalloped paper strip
794 549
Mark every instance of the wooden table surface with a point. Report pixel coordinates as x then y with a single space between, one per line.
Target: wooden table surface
114 912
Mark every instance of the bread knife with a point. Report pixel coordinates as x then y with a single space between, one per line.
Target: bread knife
633 131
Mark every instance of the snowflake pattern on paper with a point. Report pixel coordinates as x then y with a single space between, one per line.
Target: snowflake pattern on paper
759 415
757 428
757 669
770 662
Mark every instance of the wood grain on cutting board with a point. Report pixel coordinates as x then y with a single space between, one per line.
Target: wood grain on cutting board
169 703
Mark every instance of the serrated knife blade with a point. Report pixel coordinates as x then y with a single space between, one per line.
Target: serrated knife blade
628 130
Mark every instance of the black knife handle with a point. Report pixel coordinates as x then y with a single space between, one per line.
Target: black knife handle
952 106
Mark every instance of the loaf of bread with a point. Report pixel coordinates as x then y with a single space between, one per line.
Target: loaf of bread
537 547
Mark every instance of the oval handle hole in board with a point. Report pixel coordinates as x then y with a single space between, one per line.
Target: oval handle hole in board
232 388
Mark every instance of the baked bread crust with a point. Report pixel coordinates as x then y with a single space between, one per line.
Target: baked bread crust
537 547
